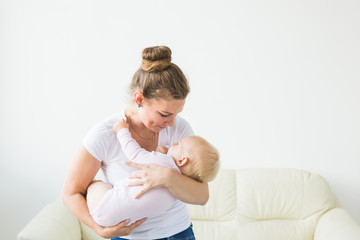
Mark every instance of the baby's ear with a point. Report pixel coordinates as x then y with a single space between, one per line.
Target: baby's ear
182 161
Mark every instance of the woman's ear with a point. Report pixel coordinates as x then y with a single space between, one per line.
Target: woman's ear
182 161
138 97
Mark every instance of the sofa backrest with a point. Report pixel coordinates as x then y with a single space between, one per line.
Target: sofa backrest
254 204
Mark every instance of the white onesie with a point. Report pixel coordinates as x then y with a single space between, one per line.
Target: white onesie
119 203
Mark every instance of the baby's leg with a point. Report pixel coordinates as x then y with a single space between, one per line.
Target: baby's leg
95 193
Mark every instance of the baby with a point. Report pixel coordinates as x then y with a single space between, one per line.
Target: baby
192 156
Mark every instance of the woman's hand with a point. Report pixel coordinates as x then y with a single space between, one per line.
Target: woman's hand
150 176
118 230
182 187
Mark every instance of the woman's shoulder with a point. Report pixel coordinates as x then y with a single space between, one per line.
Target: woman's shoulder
180 123
105 126
108 122
101 135
101 138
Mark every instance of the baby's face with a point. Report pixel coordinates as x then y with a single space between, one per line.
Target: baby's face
181 149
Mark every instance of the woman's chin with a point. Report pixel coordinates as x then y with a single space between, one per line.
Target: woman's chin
157 129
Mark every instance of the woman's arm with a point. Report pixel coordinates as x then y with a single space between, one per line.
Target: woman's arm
182 187
81 173
187 189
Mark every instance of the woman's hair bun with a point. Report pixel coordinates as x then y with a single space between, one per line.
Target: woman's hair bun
156 58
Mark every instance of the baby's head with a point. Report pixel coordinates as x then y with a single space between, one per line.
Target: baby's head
196 158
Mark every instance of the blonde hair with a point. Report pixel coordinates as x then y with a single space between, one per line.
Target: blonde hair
159 78
204 162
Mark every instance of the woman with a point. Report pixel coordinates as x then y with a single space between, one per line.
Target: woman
158 91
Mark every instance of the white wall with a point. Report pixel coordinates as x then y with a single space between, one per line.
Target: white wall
274 84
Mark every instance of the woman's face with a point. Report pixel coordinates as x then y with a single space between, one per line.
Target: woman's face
159 114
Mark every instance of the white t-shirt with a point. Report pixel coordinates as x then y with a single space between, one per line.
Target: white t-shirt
102 143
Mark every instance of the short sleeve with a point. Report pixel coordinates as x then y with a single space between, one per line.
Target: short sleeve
180 130
184 129
96 141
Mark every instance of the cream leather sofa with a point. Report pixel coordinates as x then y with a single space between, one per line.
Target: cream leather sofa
246 204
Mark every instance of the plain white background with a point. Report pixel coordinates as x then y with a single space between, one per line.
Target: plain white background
274 84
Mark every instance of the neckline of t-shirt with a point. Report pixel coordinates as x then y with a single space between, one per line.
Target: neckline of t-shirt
162 134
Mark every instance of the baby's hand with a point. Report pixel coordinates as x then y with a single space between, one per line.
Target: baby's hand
120 125
161 149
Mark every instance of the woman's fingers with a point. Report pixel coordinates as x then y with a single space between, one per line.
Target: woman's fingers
144 190
136 224
123 229
138 182
150 176
137 174
123 223
137 165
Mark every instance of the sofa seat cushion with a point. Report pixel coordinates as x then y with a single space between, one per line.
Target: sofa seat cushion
258 203
256 230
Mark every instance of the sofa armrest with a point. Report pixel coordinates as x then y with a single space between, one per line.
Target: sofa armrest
337 224
54 222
